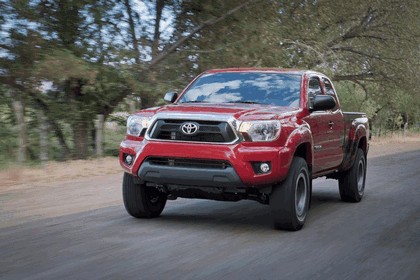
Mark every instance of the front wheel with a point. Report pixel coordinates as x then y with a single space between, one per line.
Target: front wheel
141 201
289 200
352 182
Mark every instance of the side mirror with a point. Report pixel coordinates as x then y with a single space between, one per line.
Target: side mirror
170 97
323 103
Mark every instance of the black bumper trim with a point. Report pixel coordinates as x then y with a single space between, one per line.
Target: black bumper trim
205 177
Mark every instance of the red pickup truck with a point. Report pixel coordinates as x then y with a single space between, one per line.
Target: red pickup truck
232 134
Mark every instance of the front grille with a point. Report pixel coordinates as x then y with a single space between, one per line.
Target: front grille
208 131
186 162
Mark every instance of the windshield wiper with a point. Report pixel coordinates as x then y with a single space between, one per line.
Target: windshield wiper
193 101
246 102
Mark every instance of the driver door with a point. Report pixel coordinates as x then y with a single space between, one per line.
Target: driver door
319 127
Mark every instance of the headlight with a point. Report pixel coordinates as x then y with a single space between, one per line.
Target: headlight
260 131
136 124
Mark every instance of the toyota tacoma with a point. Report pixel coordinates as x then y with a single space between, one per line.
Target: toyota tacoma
233 134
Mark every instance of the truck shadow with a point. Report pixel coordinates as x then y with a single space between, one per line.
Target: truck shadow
243 213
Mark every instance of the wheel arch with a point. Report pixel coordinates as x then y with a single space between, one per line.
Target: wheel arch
304 150
363 144
360 137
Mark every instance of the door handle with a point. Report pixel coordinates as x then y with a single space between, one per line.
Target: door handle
331 124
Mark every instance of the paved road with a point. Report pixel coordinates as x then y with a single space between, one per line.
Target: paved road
378 238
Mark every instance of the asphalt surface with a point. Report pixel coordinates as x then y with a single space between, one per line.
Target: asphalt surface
378 238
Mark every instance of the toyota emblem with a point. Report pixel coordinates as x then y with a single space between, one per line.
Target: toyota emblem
189 128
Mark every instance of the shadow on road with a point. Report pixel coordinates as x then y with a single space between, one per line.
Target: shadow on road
249 214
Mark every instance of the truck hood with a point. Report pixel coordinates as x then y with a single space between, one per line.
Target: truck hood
238 111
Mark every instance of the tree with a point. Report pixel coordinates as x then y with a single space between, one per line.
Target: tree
75 59
71 69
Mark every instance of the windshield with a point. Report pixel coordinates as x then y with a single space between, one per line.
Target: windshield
249 87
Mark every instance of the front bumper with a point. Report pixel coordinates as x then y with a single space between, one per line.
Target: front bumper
203 177
240 156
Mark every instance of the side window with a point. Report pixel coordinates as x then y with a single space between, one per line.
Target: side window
328 87
314 89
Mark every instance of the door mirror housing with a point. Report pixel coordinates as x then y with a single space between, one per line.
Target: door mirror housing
170 97
323 103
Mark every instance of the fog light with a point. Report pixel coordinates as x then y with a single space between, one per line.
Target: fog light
129 159
264 167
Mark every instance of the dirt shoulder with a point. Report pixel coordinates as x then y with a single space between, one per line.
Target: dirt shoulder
393 145
15 177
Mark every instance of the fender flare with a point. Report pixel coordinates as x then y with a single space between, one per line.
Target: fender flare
357 133
302 135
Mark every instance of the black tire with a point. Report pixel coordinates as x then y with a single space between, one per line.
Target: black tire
141 201
289 200
352 182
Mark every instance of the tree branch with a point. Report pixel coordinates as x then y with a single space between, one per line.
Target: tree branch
354 77
6 47
355 30
348 49
202 26
306 46
213 50
11 82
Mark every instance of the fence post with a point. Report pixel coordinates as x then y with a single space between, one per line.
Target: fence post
99 127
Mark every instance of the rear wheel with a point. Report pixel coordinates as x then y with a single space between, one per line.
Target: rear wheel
141 201
352 182
289 200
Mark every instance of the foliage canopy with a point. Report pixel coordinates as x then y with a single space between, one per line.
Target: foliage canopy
74 59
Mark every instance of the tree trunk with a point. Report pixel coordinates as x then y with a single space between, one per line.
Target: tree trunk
132 30
80 118
43 136
132 106
80 139
22 130
65 150
393 124
99 126
160 4
405 125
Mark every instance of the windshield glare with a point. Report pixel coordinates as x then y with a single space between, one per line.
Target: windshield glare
232 87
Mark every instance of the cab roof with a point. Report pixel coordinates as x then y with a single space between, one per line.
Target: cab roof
253 69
